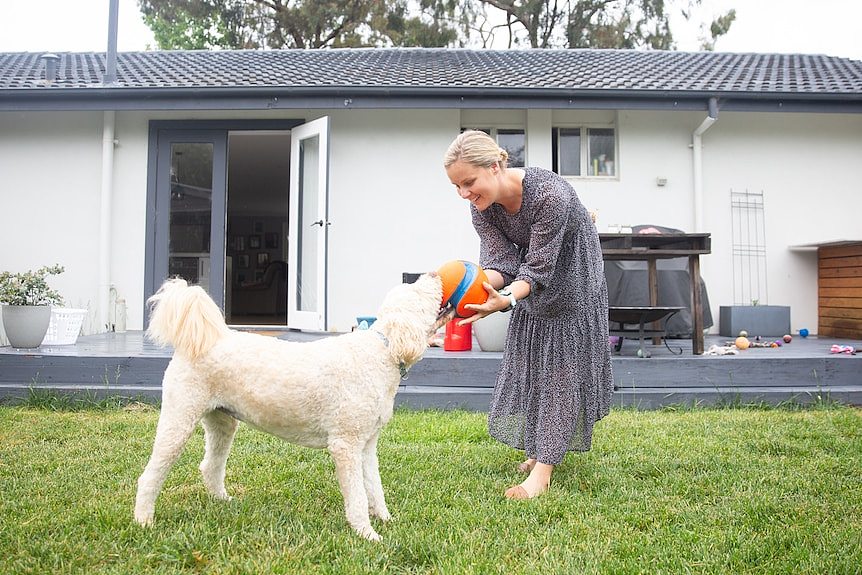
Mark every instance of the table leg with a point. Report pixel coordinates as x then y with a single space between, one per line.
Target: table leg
696 306
653 296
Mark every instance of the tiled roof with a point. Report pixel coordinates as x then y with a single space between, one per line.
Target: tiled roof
624 71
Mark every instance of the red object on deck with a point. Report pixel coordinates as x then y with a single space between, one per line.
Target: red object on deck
458 337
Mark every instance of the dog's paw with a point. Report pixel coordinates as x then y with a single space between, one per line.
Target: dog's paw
144 519
369 533
382 515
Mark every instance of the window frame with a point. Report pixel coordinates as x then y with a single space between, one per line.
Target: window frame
585 163
494 132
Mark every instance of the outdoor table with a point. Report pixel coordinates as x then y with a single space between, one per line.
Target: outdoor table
653 247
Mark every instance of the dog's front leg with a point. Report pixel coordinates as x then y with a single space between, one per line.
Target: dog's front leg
348 468
371 476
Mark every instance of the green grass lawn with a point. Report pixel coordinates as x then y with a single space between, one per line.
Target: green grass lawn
692 491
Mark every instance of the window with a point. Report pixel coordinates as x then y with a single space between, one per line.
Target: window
584 151
513 141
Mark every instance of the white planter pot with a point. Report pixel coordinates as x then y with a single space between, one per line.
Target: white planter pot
26 325
491 331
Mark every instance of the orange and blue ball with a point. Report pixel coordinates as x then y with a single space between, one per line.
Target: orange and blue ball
462 284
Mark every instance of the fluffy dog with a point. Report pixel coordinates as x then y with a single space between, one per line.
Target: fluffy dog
335 393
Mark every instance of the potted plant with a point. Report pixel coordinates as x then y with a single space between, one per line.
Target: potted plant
26 300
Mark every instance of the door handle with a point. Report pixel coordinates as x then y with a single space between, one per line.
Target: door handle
320 223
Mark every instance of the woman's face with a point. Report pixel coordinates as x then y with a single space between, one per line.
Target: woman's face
480 186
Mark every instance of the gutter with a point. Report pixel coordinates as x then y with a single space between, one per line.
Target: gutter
119 98
697 162
116 91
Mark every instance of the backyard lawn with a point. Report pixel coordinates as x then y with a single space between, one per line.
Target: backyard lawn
739 490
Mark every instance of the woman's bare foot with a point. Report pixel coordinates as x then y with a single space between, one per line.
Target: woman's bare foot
536 484
527 466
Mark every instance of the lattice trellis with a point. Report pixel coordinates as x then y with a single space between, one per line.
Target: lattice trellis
749 248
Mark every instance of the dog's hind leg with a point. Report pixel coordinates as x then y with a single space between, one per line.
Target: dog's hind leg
371 476
348 468
176 423
219 431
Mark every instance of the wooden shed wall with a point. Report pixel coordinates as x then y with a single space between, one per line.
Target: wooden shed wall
840 291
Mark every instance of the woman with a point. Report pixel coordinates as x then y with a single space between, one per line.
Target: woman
541 252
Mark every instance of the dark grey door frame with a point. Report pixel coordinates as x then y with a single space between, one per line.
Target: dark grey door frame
157 226
163 133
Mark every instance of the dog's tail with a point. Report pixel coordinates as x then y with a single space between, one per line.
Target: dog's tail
185 317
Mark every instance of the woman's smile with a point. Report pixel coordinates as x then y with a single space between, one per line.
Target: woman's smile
466 178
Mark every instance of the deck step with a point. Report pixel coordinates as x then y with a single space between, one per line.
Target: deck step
111 365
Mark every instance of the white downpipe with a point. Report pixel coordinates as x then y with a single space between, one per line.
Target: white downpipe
697 162
107 193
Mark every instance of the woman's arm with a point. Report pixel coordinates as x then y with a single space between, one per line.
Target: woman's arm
495 278
496 251
497 301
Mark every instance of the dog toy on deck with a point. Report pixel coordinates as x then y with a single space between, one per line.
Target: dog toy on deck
722 350
848 349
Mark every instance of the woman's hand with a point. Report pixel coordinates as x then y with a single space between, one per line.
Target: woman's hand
495 302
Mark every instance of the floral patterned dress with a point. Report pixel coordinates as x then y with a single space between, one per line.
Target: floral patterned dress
555 380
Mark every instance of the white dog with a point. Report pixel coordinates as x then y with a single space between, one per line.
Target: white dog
335 393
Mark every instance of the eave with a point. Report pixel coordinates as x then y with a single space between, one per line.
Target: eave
383 97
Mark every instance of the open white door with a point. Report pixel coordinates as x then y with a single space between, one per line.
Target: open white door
307 238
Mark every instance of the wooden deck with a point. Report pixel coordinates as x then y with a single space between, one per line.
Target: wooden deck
802 371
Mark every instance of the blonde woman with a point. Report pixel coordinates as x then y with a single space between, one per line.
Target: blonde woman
541 252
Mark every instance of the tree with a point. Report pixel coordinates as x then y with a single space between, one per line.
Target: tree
598 23
249 24
717 28
195 25
199 24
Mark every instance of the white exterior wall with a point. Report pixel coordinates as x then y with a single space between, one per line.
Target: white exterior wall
50 180
809 168
807 165
391 205
393 210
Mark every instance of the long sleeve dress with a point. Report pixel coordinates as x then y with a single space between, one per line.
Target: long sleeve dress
555 380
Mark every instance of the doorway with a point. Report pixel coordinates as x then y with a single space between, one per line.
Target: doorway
258 184
241 210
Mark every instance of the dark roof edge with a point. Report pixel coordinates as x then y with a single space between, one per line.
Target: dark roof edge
226 98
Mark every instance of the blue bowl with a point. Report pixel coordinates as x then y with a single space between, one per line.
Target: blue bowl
368 319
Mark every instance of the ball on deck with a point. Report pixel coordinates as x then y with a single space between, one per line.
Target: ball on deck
462 284
742 342
787 338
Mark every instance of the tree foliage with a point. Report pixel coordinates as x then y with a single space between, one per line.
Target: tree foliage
599 23
254 24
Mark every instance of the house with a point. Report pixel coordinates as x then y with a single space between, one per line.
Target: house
298 186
